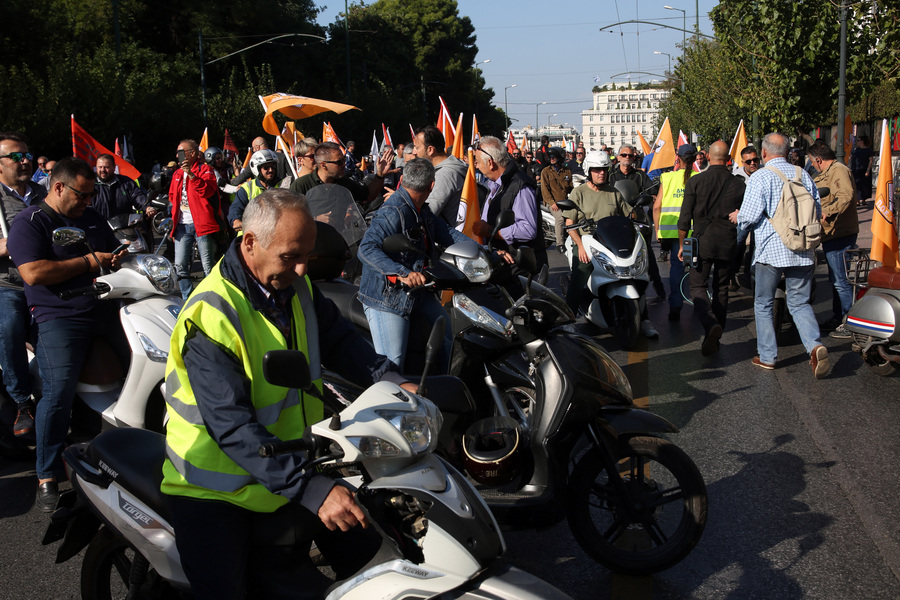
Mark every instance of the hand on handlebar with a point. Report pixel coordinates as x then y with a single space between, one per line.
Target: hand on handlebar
412 280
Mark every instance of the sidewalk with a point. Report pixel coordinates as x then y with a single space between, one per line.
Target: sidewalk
864 240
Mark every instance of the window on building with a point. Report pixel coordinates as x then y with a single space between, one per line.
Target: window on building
592 131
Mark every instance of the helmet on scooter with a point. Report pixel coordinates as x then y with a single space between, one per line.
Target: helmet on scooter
492 449
595 159
260 158
210 154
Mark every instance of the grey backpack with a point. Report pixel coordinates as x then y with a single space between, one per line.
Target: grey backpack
795 218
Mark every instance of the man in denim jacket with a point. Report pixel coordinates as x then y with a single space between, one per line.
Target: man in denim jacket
387 277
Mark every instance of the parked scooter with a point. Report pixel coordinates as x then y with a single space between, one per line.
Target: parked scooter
438 538
145 284
875 315
545 399
617 285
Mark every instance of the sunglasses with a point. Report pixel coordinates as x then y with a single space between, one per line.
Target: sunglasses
18 156
627 155
82 196
751 161
312 155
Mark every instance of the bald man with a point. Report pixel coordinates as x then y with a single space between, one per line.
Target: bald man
709 200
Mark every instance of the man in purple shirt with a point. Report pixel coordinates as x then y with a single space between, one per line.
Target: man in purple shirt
66 328
509 188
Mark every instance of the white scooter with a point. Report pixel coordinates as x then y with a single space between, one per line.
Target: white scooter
147 288
438 537
617 284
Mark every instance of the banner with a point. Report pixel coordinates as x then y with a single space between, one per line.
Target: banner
87 148
884 230
296 108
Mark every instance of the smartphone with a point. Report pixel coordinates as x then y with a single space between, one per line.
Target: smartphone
180 155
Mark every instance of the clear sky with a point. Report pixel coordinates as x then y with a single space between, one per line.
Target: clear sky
552 50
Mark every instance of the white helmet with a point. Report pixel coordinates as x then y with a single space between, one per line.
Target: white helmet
595 159
260 158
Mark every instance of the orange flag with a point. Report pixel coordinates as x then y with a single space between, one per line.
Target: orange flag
682 139
475 134
247 158
328 135
469 199
458 149
524 145
645 147
87 148
204 141
884 230
738 143
445 124
289 135
663 148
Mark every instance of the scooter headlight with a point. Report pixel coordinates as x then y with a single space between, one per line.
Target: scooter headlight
476 269
640 263
604 262
481 315
160 272
419 427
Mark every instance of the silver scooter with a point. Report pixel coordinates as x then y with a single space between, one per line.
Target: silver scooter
875 315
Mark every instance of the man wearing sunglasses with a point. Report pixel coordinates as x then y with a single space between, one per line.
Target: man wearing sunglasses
41 173
749 163
66 329
17 190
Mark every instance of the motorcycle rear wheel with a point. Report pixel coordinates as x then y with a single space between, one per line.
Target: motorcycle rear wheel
668 498
106 567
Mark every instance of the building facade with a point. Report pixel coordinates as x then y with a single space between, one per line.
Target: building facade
618 115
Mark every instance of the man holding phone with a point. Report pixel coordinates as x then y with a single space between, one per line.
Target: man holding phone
66 329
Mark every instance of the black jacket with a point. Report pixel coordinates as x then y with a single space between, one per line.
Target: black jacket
718 237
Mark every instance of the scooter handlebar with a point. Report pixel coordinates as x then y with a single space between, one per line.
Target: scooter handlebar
95 289
269 450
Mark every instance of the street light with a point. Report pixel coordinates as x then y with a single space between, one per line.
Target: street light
683 31
549 117
536 106
506 104
670 59
484 62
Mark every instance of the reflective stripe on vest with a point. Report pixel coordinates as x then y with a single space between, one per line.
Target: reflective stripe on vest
195 464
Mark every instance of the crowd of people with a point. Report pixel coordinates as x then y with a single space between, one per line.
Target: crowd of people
254 234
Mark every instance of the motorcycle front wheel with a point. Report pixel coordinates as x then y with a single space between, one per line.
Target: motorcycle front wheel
106 569
626 321
655 524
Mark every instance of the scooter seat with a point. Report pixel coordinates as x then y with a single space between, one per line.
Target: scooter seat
134 459
887 278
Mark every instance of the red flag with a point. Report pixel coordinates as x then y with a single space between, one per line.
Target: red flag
511 145
412 133
118 149
87 148
386 136
229 144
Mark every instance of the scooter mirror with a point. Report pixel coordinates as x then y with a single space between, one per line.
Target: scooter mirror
165 226
432 348
67 236
288 368
394 244
566 204
629 190
504 219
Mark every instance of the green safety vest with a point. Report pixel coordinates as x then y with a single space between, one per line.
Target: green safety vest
195 465
670 207
252 188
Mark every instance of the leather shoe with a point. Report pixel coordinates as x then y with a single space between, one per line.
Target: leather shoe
820 362
761 364
710 343
47 496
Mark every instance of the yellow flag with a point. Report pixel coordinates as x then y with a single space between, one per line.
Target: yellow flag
645 147
884 230
664 148
469 197
739 143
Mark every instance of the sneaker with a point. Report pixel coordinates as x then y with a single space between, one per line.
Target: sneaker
841 332
24 419
710 343
648 330
820 362
762 365
663 256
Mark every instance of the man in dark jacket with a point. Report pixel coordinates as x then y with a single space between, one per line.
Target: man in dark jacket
116 194
17 191
709 199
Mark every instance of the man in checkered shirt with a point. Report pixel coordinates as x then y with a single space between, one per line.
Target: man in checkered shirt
773 259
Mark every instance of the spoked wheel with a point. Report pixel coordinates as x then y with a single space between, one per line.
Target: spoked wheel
657 521
106 568
626 321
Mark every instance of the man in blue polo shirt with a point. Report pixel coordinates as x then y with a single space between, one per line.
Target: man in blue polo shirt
65 328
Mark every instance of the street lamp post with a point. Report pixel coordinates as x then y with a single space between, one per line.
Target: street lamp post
683 32
670 59
536 106
506 104
475 83
549 117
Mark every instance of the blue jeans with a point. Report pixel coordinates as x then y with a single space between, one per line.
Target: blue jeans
62 348
798 286
390 331
14 320
676 274
185 236
842 295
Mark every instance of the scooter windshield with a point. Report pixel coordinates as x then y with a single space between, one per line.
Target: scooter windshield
333 204
617 234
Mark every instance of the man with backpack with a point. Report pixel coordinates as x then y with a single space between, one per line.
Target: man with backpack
781 206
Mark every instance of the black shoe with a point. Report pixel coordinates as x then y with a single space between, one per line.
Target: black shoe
663 256
659 289
674 314
561 249
831 323
47 496
710 343
24 419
